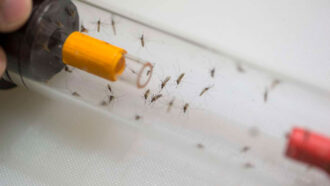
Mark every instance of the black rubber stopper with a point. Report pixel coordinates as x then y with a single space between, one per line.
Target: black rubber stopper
35 50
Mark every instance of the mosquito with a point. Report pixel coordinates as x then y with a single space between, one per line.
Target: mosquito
99 25
245 149
240 68
45 47
137 117
148 72
156 97
113 24
170 105
205 90
212 72
76 94
185 107
166 80
146 94
109 88
83 29
111 98
178 81
71 12
200 146
104 103
266 95
248 165
67 69
275 83
59 24
142 40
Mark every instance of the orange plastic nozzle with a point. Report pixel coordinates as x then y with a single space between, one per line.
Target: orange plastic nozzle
94 56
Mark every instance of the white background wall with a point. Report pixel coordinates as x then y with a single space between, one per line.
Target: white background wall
288 37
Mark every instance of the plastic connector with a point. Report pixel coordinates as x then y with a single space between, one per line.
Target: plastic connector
309 147
94 56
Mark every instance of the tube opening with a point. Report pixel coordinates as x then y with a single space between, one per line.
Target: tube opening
120 67
138 71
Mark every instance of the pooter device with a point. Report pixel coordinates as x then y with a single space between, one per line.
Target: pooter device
50 40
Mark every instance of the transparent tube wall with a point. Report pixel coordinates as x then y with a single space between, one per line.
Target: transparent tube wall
236 116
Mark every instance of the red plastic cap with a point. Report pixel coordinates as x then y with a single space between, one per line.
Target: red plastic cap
309 147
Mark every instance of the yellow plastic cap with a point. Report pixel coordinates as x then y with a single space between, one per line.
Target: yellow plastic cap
94 56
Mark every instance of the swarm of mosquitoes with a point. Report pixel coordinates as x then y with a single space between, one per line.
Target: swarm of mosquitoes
163 84
178 80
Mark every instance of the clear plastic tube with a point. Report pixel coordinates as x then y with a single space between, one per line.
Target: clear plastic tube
240 107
